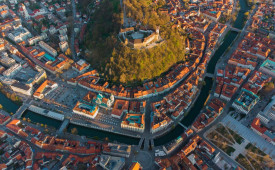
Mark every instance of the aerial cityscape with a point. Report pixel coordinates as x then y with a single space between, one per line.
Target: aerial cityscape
137 84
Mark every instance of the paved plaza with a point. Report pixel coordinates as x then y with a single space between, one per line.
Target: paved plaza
251 136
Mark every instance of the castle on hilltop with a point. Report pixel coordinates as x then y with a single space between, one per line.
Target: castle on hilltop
138 38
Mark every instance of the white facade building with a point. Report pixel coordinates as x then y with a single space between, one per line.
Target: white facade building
63 46
48 48
19 35
12 70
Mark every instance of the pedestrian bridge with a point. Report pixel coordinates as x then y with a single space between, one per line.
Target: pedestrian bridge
64 125
182 125
21 110
209 75
235 29
140 142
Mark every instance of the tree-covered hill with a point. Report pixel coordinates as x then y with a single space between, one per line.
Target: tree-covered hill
119 63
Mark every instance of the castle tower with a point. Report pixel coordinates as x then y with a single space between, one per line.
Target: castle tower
157 32
126 41
199 12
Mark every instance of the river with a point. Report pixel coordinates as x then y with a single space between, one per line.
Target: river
195 110
102 135
8 105
240 21
198 105
177 131
188 120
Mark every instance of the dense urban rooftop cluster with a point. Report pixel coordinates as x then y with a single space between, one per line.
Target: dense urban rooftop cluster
42 62
263 22
195 153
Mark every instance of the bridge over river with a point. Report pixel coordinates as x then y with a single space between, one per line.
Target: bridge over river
22 109
187 120
63 126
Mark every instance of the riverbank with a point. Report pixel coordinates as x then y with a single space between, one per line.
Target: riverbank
92 133
174 133
8 105
192 114
241 19
189 118
102 135
12 96
228 39
38 118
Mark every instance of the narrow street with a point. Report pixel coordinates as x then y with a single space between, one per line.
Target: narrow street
75 58
221 64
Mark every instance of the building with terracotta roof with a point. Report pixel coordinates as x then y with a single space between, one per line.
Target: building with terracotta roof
4 118
86 109
212 110
134 122
213 15
135 166
261 130
14 126
3 166
172 145
159 119
81 66
257 81
44 89
191 146
207 147
120 107
137 106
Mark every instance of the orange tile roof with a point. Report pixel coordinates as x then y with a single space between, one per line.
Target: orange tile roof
135 166
42 87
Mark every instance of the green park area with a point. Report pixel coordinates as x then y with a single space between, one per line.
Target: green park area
254 158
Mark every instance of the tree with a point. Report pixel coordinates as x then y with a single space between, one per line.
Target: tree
268 161
270 85
74 131
268 88
121 64
68 51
